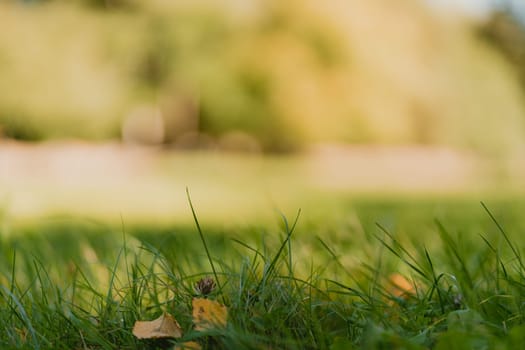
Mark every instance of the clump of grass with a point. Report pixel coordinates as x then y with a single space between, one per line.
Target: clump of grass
72 292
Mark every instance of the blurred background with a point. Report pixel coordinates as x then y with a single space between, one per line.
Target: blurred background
111 108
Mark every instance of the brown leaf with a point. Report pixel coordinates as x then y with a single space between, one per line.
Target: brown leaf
166 326
401 287
208 314
189 345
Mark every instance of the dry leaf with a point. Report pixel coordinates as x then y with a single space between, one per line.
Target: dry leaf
189 345
401 287
166 326
208 314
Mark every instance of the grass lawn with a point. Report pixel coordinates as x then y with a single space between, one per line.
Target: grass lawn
378 274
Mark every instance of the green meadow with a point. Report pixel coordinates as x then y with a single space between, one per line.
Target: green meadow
297 281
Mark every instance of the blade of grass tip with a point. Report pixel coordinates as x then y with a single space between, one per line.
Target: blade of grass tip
307 283
377 271
109 295
13 280
257 253
396 242
38 266
331 253
125 246
505 236
451 244
196 220
287 229
436 281
498 260
272 265
130 275
354 292
290 273
340 264
393 251
334 257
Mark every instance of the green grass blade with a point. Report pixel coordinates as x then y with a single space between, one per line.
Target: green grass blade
201 235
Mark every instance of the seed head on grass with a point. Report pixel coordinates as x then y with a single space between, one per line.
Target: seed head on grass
205 286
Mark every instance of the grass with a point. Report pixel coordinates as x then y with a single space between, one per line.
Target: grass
72 284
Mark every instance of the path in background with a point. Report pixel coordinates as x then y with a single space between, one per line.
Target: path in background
480 7
110 179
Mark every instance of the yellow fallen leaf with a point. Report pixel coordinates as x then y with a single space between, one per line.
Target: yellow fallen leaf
189 345
208 314
166 326
401 287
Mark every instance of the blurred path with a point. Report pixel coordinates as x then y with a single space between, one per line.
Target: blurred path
111 179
